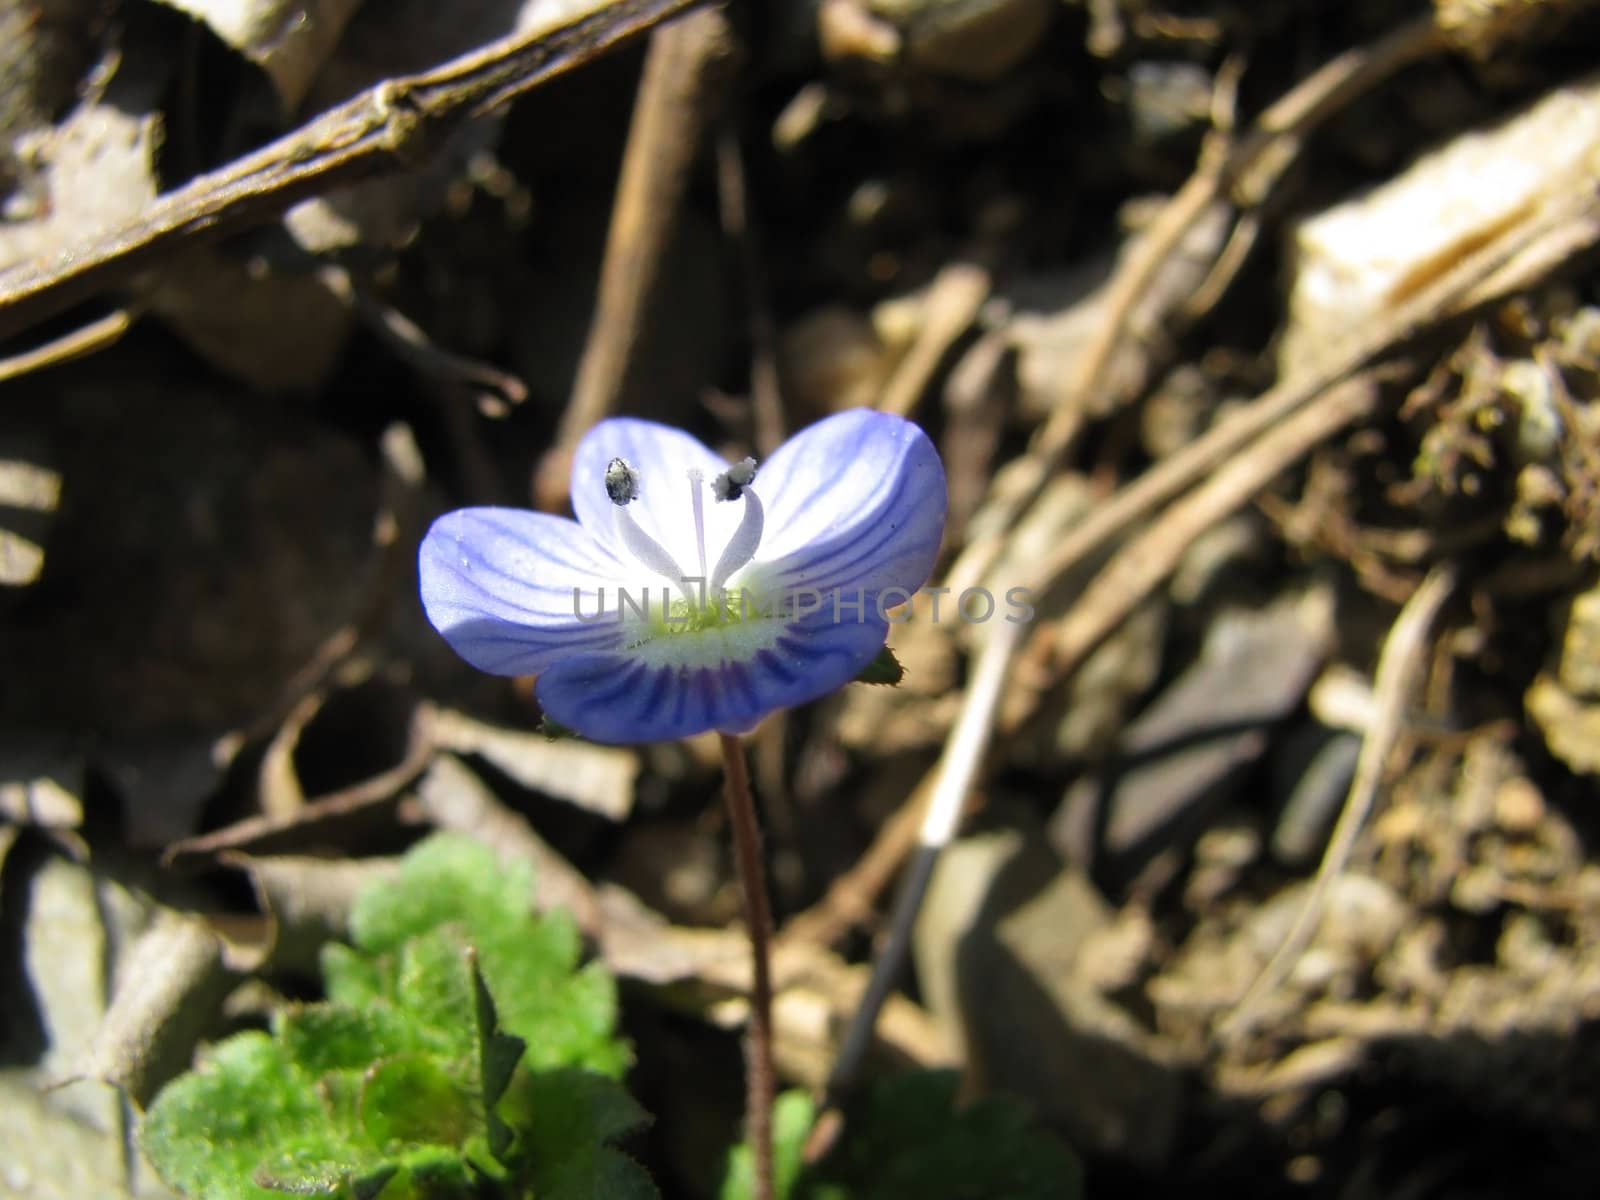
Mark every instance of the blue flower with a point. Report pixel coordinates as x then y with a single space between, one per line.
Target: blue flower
693 594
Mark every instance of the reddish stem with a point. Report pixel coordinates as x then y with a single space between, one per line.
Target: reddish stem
760 1075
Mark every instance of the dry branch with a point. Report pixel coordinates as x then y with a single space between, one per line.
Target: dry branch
395 125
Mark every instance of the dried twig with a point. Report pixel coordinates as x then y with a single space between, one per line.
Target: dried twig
98 334
952 782
678 94
1398 665
1517 259
1140 565
733 199
952 304
1247 170
496 390
275 834
393 125
1241 174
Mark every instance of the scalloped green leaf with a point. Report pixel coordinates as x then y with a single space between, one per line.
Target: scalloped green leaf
320 1038
416 1101
443 879
412 1079
433 990
566 1015
209 1132
430 1173
310 1170
352 978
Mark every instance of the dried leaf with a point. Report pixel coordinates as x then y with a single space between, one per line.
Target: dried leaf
454 798
307 902
169 989
46 46
288 39
274 328
53 1154
598 779
1356 261
395 38
97 168
65 968
41 784
30 493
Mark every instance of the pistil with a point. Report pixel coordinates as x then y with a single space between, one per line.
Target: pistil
695 480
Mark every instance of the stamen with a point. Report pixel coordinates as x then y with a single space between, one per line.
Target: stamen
731 483
746 540
696 478
622 486
650 553
622 482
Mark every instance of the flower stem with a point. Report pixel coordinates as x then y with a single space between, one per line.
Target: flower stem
760 1076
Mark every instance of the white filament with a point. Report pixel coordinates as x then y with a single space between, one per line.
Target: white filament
650 553
622 485
744 543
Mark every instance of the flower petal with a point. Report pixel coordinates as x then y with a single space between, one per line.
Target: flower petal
663 457
855 502
498 584
633 696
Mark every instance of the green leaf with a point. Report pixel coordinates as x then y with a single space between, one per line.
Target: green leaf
908 1138
416 1101
565 1023
341 1097
444 879
370 1185
321 1038
413 1079
567 1117
431 1173
565 1016
885 669
325 1170
498 1052
498 1056
352 979
433 990
210 1131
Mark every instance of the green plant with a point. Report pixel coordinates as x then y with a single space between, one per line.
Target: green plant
909 1139
461 1051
